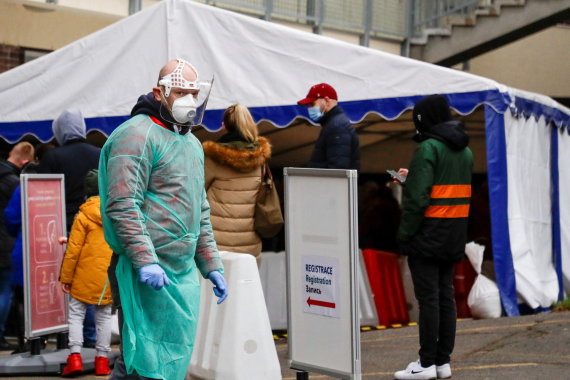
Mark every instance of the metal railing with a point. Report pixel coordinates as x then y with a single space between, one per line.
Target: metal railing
391 19
368 18
398 20
434 14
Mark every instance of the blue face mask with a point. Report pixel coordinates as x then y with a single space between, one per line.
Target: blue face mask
315 113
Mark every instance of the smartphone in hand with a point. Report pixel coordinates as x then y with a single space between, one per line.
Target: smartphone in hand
395 174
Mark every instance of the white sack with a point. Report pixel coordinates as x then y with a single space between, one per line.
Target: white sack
484 300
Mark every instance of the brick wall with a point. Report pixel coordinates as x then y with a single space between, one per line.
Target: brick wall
10 57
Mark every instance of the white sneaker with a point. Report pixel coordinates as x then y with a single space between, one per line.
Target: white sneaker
443 371
414 370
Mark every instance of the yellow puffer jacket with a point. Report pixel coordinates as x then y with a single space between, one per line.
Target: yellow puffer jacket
233 178
87 256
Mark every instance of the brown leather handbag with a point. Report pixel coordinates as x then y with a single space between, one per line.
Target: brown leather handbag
268 219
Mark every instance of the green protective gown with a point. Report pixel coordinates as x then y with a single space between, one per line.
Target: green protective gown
154 210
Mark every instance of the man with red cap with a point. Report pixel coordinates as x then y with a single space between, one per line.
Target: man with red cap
337 146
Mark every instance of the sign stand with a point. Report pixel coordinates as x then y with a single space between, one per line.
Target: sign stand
35 346
322 277
45 306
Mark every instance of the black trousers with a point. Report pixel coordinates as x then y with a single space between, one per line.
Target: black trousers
119 369
433 286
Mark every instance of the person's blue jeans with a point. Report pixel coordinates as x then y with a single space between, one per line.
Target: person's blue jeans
89 329
5 298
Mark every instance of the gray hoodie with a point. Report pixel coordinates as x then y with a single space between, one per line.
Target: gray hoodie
68 126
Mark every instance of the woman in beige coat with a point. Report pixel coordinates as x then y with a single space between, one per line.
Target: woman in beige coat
233 177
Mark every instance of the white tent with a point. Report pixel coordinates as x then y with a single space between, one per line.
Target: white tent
269 67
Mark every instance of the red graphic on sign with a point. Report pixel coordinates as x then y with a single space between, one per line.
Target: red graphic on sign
330 305
45 225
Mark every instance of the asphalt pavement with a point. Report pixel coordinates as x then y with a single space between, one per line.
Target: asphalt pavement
527 347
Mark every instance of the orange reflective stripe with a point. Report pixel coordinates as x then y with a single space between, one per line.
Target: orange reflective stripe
457 211
451 191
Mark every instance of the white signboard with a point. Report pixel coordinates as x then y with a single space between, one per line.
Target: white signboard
322 252
320 280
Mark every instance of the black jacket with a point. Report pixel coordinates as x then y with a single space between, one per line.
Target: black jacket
74 159
337 146
9 180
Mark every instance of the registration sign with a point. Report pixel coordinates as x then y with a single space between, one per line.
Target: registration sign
320 285
43 222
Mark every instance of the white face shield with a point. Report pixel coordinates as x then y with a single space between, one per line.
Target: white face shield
188 110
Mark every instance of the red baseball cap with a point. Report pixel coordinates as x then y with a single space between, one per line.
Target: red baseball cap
318 91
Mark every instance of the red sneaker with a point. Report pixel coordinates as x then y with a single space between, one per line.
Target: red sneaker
102 366
74 366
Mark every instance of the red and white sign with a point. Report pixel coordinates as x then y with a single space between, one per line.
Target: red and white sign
44 222
320 285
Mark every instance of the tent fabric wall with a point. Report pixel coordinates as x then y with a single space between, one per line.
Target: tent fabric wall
498 198
564 204
529 209
555 211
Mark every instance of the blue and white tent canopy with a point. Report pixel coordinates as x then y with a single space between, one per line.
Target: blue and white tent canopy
266 66
269 67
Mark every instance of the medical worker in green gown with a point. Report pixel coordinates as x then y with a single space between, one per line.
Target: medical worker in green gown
157 221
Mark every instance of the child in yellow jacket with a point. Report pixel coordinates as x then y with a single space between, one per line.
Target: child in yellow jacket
84 277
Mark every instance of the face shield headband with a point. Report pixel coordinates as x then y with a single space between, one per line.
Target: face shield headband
188 110
176 79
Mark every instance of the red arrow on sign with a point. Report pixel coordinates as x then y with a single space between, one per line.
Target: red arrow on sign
330 305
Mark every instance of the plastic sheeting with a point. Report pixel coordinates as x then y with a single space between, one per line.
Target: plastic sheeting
529 209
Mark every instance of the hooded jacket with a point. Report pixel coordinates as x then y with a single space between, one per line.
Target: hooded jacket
437 191
233 179
73 158
87 257
9 180
148 105
337 146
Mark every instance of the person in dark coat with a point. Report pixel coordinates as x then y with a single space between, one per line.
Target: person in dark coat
13 218
337 146
73 158
20 155
433 229
379 218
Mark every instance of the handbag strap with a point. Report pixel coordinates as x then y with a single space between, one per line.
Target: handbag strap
266 173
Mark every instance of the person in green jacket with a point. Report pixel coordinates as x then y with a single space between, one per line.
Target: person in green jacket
156 218
433 229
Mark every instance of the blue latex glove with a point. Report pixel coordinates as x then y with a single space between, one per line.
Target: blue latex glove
153 275
220 288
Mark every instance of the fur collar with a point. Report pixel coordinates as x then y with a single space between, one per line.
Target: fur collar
238 159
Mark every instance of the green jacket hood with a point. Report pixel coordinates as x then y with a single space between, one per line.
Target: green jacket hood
451 133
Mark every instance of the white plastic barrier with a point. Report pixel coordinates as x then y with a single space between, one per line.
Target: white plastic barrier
234 339
273 280
368 314
411 302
